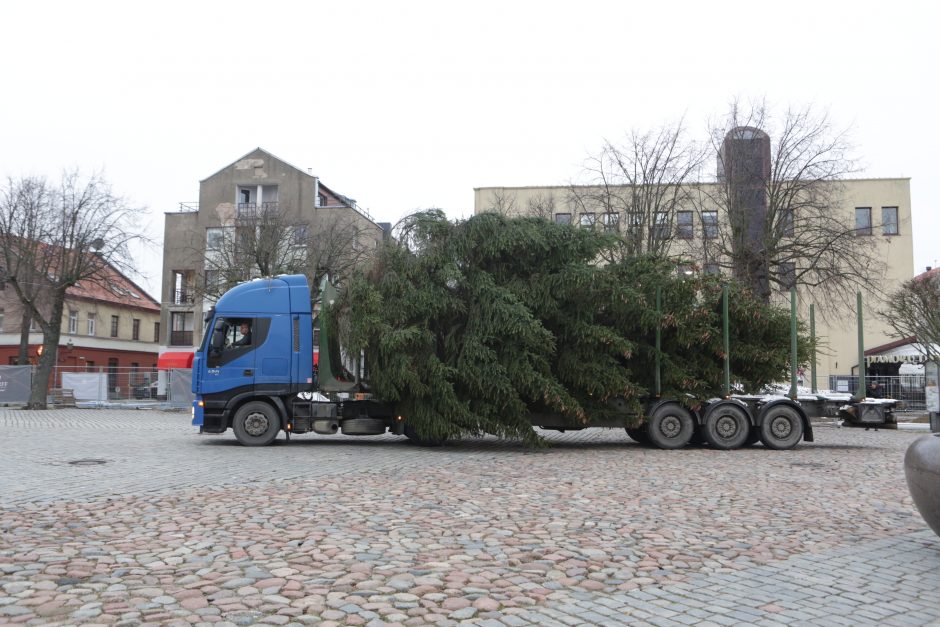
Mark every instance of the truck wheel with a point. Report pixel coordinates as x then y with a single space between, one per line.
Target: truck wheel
727 427
782 428
639 434
670 427
256 424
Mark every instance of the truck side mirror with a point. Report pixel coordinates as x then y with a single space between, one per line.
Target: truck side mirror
218 340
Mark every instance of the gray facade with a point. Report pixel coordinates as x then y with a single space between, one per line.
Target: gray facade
322 231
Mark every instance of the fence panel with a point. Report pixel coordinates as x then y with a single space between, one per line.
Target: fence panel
15 383
909 388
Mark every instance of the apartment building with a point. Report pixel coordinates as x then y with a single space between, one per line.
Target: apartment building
255 217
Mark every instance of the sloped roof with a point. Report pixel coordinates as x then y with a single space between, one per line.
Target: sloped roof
115 288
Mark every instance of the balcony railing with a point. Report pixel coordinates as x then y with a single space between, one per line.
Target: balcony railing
181 338
183 297
253 209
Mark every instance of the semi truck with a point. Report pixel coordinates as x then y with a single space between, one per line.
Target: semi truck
258 373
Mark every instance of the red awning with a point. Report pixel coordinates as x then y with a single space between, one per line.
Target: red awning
169 361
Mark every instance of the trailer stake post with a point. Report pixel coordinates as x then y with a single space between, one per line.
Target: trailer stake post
793 355
727 340
812 339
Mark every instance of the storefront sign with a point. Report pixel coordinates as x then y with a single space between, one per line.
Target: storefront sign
894 359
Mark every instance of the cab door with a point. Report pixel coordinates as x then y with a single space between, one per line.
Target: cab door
230 364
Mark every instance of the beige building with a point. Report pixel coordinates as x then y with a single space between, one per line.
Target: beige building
878 210
256 216
108 325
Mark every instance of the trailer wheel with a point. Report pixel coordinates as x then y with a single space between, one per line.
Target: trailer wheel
782 428
639 434
256 424
727 427
670 427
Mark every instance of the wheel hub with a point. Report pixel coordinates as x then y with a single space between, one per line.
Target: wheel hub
670 426
726 426
256 424
780 427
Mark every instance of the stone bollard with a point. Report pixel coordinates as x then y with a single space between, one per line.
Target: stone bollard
922 469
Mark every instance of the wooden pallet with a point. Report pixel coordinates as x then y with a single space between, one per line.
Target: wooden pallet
63 397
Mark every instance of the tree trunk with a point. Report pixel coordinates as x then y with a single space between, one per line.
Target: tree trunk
50 345
23 357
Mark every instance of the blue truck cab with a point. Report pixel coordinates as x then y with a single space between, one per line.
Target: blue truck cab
254 372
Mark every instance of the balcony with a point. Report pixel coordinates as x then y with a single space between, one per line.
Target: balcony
181 338
183 297
252 210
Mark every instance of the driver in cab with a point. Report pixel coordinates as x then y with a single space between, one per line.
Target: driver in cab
244 330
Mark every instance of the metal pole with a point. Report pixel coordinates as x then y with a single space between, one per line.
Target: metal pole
659 320
793 356
727 340
862 386
812 338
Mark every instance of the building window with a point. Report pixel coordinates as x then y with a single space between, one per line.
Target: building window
786 222
73 322
562 218
91 324
684 225
299 235
156 331
712 268
863 220
135 329
610 221
34 325
214 238
1 320
90 366
321 200
685 270
787 271
661 222
114 326
213 280
181 328
586 220
709 224
889 221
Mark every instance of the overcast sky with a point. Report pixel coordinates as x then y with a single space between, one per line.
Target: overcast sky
410 105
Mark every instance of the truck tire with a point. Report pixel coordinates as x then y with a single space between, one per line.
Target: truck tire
639 434
782 428
256 424
670 427
726 427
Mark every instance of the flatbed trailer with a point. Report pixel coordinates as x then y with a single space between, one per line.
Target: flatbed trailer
261 389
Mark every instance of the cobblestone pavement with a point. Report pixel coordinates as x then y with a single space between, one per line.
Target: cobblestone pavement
177 528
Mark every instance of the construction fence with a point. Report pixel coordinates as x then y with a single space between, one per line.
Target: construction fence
908 388
101 386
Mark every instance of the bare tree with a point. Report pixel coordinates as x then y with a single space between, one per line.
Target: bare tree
502 203
25 205
53 240
271 240
645 183
261 240
780 201
913 311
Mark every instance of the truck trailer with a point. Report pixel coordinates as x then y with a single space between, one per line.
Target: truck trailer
272 379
